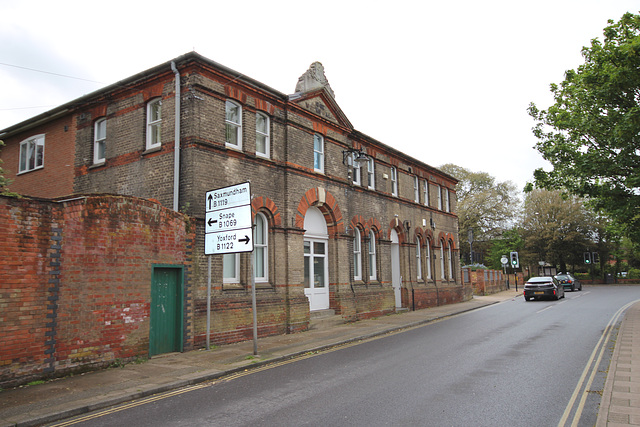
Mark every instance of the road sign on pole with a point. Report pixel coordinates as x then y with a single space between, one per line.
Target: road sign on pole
228 230
228 227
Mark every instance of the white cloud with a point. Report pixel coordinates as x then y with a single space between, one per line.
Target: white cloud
446 82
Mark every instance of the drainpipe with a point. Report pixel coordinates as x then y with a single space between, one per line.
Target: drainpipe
176 149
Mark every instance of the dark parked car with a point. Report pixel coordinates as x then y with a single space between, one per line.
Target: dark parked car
543 287
568 281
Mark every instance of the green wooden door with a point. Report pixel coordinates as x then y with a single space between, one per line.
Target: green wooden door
165 334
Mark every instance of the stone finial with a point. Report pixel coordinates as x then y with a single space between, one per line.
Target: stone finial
312 79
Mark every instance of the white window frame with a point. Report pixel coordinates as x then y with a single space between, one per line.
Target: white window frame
232 127
439 197
31 154
428 258
318 153
99 140
357 254
394 181
371 174
263 134
426 192
373 267
418 260
450 260
357 170
154 124
261 247
447 204
442 272
416 189
232 276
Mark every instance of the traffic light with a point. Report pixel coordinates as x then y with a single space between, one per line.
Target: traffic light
515 263
587 257
595 258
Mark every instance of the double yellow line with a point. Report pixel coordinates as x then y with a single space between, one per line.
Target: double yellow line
187 389
590 370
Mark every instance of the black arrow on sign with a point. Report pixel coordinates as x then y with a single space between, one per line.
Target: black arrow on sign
212 221
209 200
245 240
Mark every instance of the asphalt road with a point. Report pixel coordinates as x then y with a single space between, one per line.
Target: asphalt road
517 363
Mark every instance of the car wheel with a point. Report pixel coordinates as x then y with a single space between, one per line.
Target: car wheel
573 288
526 298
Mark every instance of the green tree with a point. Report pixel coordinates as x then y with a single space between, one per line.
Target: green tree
510 241
556 228
484 205
591 134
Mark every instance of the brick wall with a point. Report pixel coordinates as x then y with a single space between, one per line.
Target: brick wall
486 282
75 281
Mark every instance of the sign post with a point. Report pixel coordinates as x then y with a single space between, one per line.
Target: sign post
229 230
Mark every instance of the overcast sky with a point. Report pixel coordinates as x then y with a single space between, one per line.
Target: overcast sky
443 81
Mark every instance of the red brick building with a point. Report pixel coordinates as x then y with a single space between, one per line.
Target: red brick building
332 234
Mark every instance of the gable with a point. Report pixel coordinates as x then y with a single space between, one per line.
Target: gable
317 106
314 94
319 103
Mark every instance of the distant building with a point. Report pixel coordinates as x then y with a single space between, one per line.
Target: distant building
332 235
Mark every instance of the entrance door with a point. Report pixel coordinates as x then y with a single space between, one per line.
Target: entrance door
165 332
396 278
316 287
316 261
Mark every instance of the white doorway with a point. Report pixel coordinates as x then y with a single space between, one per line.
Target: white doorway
396 278
316 261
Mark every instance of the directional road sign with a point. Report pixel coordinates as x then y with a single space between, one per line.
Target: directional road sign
228 227
228 219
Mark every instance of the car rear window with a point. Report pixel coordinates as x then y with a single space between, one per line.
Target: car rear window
540 280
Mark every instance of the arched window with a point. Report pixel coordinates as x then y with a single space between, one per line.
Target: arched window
261 248
154 122
442 261
233 125
418 260
262 135
427 256
450 259
357 255
373 274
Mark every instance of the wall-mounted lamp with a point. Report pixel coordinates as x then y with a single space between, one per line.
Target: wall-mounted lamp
359 157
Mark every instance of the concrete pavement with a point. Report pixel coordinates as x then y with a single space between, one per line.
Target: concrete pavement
75 395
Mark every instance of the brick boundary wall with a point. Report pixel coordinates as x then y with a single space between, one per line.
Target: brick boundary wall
75 280
487 282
